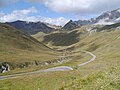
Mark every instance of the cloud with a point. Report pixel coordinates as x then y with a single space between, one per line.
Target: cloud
79 6
6 2
1 14
25 15
56 21
17 14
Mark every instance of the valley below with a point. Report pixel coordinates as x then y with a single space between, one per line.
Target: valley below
60 68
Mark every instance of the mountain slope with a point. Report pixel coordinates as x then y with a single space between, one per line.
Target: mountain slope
112 26
71 25
107 18
102 73
62 38
31 27
19 49
70 38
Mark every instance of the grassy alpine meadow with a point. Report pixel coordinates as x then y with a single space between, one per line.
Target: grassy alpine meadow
20 50
104 79
101 74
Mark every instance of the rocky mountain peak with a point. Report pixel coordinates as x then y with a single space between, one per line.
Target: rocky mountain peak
107 18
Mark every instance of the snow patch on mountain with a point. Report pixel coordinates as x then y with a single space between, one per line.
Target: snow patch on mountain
107 18
118 20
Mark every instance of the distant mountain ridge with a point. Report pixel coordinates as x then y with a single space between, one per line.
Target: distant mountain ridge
107 18
31 27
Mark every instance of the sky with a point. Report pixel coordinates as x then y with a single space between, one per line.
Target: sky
56 12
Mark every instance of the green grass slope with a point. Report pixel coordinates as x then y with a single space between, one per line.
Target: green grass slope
19 49
108 79
101 74
62 38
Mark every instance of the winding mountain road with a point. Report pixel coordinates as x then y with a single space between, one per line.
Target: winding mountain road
60 68
94 57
